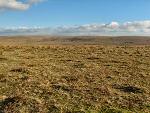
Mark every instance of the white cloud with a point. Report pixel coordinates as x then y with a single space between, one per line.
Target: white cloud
113 28
16 4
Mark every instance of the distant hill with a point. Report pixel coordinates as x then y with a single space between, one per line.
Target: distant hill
96 40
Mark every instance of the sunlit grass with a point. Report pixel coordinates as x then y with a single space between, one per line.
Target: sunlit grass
78 79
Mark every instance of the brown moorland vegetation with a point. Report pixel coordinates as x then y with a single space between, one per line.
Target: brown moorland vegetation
74 75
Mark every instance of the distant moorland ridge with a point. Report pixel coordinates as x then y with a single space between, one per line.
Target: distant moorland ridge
96 40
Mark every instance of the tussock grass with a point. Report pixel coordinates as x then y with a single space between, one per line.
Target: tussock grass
74 79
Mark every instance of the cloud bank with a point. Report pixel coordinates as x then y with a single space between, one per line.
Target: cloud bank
16 4
111 29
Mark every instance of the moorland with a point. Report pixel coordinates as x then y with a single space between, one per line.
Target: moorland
52 74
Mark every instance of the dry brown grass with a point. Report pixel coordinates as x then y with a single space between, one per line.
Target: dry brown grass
74 79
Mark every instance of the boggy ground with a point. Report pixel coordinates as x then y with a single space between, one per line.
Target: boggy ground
74 79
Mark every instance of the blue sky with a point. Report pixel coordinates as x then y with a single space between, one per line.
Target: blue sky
50 13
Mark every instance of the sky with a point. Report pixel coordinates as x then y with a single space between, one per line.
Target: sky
75 17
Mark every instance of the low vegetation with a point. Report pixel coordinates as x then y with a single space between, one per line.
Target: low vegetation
74 79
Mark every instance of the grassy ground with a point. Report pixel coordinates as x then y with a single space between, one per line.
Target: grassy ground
74 79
